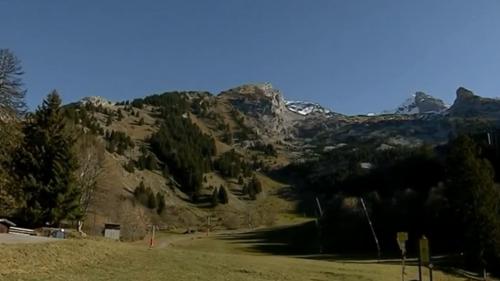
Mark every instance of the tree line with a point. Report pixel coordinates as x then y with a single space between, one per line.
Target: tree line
39 158
447 193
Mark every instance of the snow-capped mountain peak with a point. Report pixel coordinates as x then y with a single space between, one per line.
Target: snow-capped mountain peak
419 103
306 108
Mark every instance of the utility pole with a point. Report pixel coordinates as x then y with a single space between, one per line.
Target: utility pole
208 225
318 225
371 227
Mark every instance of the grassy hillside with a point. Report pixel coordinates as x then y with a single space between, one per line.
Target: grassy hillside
159 144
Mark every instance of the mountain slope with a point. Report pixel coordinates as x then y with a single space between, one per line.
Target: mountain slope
263 130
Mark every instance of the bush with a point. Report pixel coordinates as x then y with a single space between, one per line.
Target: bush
130 166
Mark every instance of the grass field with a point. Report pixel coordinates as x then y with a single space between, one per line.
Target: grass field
177 257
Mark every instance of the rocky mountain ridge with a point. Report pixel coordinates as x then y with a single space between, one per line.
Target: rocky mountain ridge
263 110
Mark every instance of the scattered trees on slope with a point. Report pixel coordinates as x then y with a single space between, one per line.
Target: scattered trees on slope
179 143
118 142
231 164
253 188
148 198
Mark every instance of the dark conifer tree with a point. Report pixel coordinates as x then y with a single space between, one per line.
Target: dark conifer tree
474 203
223 195
215 197
160 203
44 166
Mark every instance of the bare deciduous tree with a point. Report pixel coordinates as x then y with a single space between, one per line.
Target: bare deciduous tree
11 105
90 154
11 87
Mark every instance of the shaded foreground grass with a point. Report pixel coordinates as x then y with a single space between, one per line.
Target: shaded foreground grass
106 260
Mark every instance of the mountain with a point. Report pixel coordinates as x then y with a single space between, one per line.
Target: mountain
170 140
419 103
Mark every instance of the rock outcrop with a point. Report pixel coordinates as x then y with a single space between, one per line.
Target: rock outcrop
467 104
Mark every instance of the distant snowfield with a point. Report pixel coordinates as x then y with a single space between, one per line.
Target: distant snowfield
305 108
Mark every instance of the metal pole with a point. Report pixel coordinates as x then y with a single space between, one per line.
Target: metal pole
319 207
419 269
403 267
208 224
318 225
371 227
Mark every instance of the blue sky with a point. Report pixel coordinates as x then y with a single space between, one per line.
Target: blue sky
352 56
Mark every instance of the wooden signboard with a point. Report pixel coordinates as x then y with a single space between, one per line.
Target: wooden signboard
425 258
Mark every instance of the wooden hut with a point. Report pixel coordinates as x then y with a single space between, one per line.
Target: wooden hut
112 231
5 225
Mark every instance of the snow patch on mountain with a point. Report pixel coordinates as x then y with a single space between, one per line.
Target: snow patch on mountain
409 106
306 108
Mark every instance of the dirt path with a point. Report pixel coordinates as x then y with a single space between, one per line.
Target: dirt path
6 238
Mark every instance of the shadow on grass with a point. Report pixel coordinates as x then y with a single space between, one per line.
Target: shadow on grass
302 241
289 240
299 240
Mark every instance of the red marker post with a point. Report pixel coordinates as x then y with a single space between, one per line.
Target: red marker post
152 240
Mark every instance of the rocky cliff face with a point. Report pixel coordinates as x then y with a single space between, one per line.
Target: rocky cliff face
265 106
467 104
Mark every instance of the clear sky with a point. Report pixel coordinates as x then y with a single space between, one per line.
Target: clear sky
350 55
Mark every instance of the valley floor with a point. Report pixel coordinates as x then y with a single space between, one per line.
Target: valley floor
227 256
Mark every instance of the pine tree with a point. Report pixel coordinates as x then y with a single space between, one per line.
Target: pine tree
223 195
215 197
160 203
474 202
256 185
151 200
45 165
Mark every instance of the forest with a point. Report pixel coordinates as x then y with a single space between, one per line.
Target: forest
448 193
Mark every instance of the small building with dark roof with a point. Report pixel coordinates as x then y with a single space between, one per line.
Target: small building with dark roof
5 225
112 231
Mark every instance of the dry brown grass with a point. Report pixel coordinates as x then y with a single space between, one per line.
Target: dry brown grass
194 259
